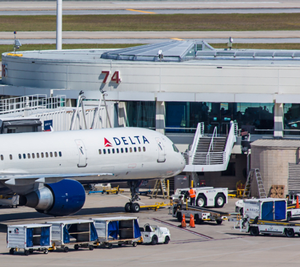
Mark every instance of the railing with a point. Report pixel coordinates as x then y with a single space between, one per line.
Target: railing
31 102
231 139
199 133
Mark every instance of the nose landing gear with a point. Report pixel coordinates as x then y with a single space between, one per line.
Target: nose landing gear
132 206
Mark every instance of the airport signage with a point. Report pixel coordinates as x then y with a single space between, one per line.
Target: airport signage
114 78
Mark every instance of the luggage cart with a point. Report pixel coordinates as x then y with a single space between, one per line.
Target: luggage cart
76 233
117 230
29 237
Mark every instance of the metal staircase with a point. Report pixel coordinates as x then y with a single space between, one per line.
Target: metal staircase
254 174
160 185
210 153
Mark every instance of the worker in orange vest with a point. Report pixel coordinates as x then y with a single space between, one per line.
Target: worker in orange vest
192 196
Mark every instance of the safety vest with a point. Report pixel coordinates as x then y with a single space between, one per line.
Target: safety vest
192 193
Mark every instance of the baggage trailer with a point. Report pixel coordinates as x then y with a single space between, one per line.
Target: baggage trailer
117 230
205 196
200 214
76 233
266 216
29 237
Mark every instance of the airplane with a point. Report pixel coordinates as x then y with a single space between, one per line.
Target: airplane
47 169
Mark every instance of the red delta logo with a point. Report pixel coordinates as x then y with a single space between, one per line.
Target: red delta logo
107 143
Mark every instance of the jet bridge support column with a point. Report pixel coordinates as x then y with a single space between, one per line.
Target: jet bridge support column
278 120
160 117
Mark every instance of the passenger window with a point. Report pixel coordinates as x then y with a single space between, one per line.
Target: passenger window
2 158
51 154
60 154
28 155
139 149
37 155
42 154
20 156
10 156
24 156
130 149
134 149
108 151
144 149
99 151
32 155
122 150
113 151
55 154
46 154
126 149
104 151
117 150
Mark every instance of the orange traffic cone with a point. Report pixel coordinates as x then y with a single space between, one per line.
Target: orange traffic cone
183 223
297 203
192 221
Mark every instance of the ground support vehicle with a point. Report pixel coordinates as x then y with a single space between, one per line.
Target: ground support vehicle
292 213
200 214
256 227
76 233
29 237
205 196
152 234
117 230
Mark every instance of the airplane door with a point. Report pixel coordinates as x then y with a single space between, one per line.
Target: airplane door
82 159
161 151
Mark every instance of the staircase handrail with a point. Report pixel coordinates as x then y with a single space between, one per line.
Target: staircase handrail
231 139
198 134
211 145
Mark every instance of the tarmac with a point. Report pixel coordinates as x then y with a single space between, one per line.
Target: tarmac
207 244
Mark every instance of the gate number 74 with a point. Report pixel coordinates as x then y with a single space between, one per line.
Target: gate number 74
114 78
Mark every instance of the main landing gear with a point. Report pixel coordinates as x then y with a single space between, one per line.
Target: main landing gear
132 206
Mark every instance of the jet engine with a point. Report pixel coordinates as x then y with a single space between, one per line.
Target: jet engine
56 199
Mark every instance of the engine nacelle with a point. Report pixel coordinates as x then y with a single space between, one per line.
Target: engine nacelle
57 199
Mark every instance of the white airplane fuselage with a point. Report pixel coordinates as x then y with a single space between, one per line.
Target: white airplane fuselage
111 154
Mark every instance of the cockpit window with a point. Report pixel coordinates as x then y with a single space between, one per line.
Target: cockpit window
175 148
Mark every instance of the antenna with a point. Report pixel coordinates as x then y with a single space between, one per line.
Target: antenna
17 42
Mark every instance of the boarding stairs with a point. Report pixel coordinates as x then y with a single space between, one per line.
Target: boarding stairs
254 174
210 153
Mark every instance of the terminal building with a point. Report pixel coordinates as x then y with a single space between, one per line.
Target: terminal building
179 88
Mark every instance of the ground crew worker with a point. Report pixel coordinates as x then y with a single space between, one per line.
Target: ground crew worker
192 196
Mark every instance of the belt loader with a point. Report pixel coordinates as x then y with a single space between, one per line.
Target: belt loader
200 214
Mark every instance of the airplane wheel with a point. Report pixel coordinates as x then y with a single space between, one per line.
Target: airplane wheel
135 207
128 207
12 251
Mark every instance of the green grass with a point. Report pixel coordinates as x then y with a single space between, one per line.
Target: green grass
173 22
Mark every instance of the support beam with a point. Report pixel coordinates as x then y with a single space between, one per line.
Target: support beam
160 117
278 120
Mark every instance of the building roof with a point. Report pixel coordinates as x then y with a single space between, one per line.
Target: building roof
276 143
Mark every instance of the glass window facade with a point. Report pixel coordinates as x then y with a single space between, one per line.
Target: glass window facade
141 114
256 118
291 119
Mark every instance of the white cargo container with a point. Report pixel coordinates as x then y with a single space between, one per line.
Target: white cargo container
29 237
79 233
117 230
269 209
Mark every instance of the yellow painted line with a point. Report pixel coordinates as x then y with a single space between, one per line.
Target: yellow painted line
141 11
178 39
